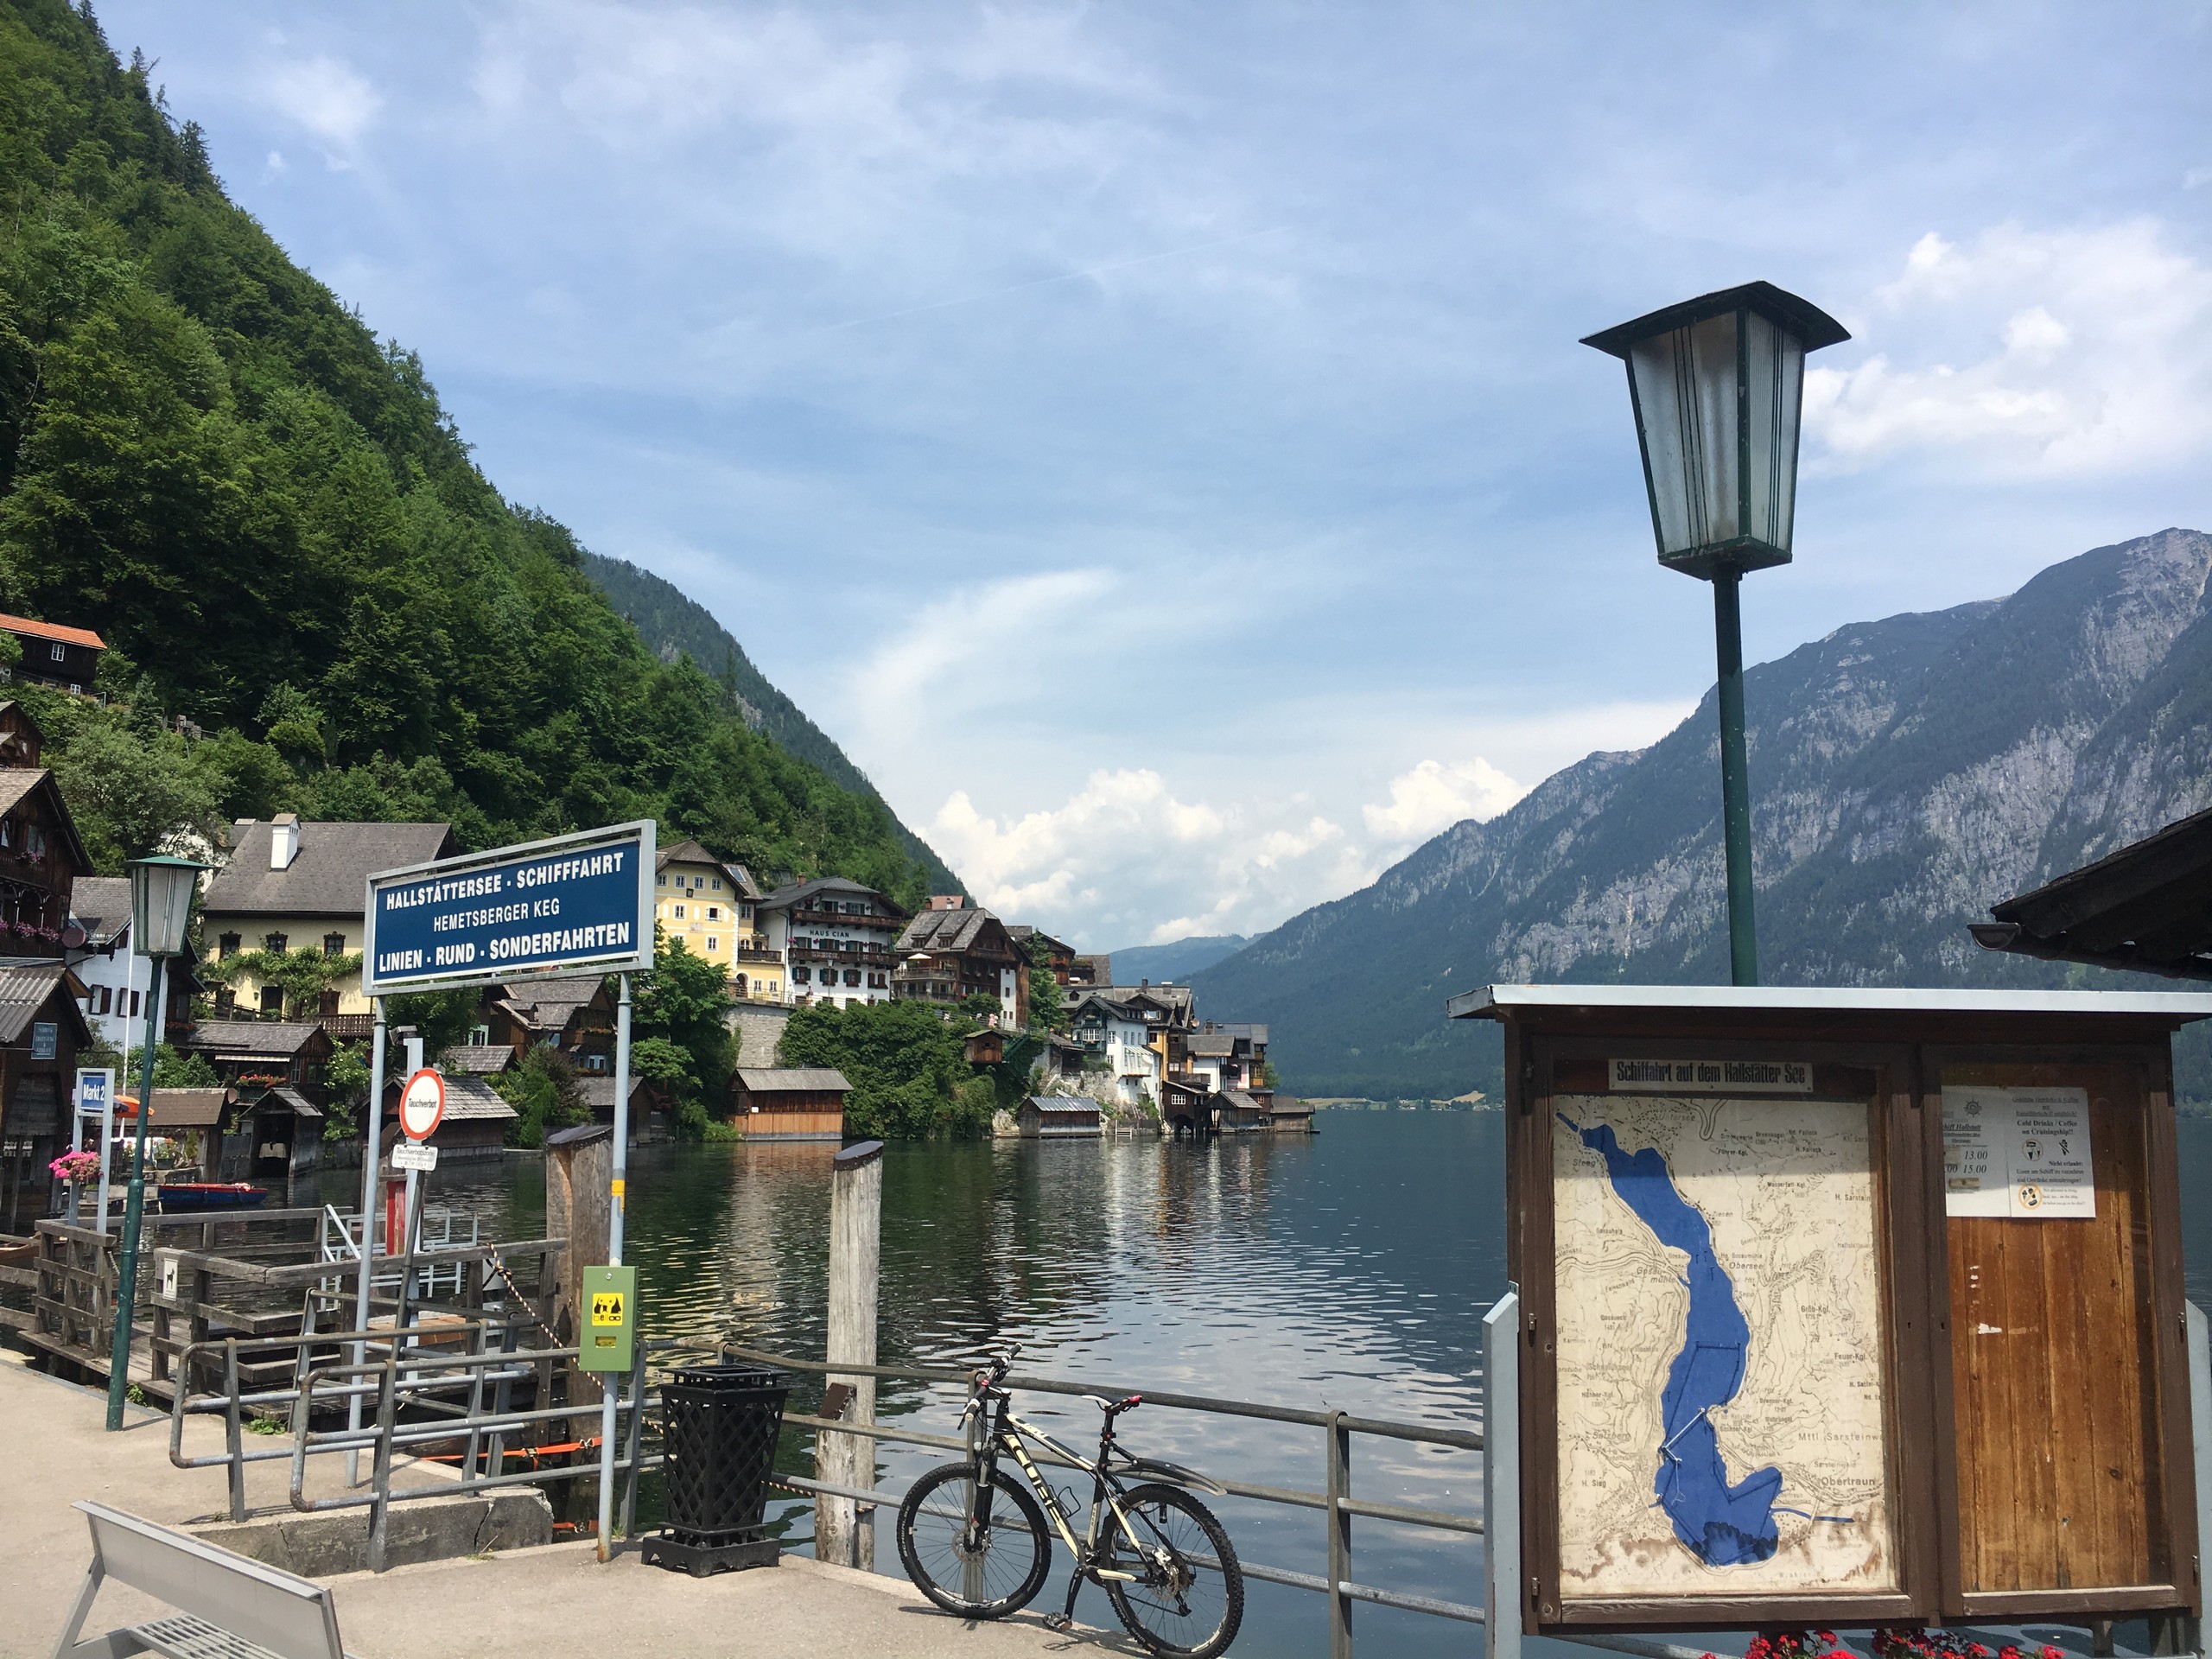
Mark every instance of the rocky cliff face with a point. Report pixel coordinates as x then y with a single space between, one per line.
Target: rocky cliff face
1905 774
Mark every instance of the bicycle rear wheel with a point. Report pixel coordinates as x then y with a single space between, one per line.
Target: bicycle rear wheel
986 1577
1187 1597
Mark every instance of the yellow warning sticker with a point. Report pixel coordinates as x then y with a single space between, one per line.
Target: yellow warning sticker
607 1307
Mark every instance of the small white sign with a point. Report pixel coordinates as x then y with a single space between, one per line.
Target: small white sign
422 1103
414 1154
168 1275
2017 1153
1714 1077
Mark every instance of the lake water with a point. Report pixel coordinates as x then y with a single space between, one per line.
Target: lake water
1351 1270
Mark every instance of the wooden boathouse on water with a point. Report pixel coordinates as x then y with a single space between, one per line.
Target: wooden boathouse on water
790 1102
1059 1118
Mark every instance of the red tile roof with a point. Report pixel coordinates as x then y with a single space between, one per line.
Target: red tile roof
52 630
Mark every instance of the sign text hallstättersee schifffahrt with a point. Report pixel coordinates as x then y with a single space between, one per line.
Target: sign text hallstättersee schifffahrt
576 904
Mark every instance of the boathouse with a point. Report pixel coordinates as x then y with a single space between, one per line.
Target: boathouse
41 1028
1288 1114
476 1115
191 1119
790 1102
647 1122
1058 1117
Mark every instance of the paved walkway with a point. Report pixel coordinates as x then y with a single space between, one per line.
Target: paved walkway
535 1604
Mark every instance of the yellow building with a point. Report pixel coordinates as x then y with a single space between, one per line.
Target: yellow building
708 904
290 886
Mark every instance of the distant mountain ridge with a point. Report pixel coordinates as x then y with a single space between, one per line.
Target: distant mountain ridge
674 624
1174 961
1906 773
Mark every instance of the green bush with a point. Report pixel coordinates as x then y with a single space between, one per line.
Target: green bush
910 1078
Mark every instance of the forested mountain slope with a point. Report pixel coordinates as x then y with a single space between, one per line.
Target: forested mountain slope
1905 774
675 624
266 513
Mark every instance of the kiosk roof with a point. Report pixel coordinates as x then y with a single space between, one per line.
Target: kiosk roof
1499 1001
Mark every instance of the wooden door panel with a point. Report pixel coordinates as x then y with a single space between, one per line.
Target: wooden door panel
2054 1369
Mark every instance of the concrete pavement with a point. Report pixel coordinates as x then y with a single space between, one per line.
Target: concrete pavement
547 1603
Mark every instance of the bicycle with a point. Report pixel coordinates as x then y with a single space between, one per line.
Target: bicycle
1165 1561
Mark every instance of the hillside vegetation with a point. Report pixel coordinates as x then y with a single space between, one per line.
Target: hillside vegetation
266 513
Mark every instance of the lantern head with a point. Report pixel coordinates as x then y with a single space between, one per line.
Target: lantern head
1718 384
161 903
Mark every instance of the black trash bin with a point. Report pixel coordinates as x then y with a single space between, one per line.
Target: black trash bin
719 1426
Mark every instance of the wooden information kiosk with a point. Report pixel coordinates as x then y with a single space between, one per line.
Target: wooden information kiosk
1844 1307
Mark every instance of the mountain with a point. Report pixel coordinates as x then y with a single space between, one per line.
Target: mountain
1905 774
268 515
676 625
1173 963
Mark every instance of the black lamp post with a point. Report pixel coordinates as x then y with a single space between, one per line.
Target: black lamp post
161 906
1718 384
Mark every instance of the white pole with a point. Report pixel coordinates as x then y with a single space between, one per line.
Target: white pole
107 1138
368 1226
611 1386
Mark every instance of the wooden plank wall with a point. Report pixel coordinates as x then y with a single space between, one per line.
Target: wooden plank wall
2055 1372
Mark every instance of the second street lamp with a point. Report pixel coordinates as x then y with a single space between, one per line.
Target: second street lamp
161 909
1718 384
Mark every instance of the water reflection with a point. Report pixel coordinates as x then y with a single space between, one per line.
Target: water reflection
1351 1270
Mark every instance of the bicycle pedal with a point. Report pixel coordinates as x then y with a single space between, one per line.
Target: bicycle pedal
1058 1622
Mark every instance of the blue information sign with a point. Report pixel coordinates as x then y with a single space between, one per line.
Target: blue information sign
576 904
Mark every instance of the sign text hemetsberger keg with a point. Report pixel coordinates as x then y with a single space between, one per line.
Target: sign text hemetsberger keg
575 904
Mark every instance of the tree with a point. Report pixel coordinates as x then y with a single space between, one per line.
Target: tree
1047 1005
132 792
909 1073
684 1004
545 1094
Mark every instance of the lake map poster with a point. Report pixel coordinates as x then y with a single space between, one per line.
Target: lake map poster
1721 1359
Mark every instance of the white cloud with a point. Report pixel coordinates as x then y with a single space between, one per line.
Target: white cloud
325 96
2096 357
1434 797
1123 852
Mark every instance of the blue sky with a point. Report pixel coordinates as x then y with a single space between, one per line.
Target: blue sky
1153 439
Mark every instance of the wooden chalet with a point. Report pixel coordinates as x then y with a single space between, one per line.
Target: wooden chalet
1059 955
40 859
574 1014
55 654
1288 1114
42 1030
191 1120
1058 1117
648 1120
947 955
985 1047
790 1102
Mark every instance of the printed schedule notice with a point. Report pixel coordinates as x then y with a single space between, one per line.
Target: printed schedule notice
2019 1153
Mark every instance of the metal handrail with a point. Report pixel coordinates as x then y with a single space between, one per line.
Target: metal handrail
1338 1505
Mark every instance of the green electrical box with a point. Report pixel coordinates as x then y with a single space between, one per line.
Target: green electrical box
609 1338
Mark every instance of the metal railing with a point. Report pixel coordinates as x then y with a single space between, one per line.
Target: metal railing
408 1375
1335 1502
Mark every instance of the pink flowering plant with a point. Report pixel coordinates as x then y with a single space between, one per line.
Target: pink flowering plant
75 1165
1951 1644
1887 1644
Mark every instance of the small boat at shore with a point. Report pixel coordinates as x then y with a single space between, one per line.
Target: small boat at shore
179 1197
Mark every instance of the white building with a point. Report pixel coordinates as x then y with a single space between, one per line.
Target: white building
1109 1029
114 979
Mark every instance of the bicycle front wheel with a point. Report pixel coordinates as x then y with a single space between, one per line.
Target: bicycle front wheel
977 1572
1188 1596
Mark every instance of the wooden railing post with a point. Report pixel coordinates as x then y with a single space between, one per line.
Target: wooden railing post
841 1534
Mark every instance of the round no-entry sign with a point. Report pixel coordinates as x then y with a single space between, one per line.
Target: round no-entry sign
422 1103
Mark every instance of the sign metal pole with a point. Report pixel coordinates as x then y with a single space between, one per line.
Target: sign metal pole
368 1228
616 1196
134 1213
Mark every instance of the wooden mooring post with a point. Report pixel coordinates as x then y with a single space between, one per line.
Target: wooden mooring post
578 1165
842 1535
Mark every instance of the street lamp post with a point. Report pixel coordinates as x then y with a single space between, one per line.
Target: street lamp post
1718 385
160 906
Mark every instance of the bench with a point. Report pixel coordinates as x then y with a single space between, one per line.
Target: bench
228 1606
